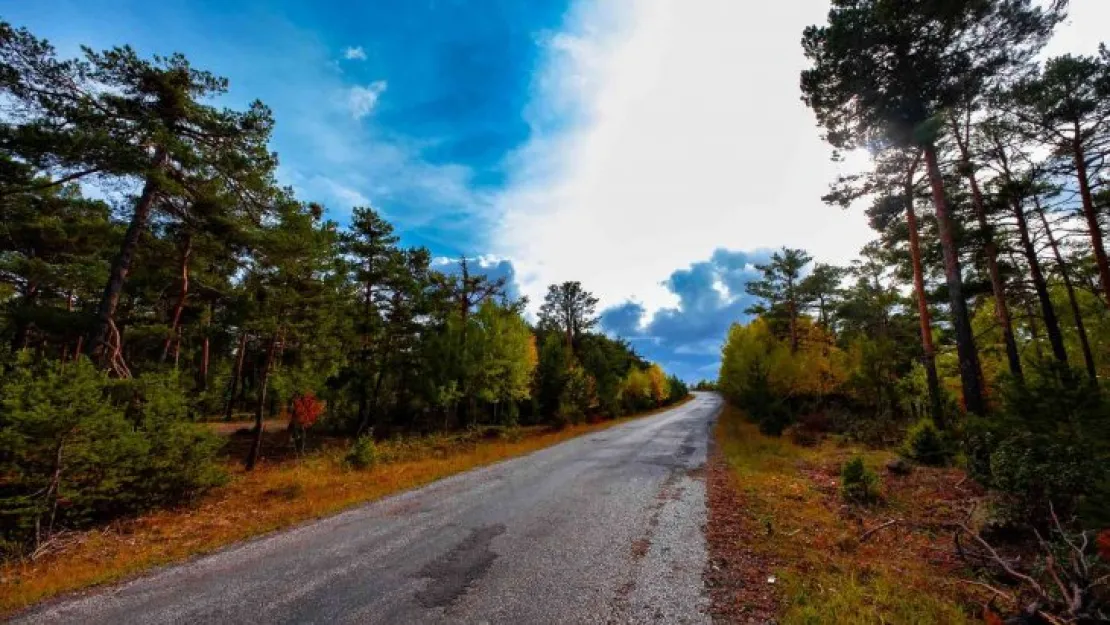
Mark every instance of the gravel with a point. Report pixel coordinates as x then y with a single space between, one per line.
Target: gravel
605 528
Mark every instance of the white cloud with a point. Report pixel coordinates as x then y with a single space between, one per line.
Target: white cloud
346 194
354 53
688 134
1083 30
361 100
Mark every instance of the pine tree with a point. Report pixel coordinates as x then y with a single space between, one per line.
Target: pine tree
885 71
571 309
781 289
1067 107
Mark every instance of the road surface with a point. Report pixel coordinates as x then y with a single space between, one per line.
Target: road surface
605 528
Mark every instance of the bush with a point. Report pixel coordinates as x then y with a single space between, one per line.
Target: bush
678 388
363 453
1050 445
768 410
78 448
810 428
858 484
925 444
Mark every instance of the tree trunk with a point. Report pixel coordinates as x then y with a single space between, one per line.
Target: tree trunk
1077 315
928 350
236 375
202 372
51 496
792 310
970 373
1090 213
186 252
1048 311
364 353
202 375
1001 309
22 336
106 311
260 406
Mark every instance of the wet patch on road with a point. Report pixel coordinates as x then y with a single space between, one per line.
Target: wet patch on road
453 572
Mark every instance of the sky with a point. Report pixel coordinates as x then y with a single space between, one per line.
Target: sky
654 150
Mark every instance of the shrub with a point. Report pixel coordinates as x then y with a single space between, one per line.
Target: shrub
363 453
1050 444
925 444
306 411
768 410
802 436
810 428
79 448
858 484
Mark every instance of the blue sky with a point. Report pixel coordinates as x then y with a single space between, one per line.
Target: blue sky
652 149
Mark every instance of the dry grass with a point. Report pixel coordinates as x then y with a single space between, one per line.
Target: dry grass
274 496
826 571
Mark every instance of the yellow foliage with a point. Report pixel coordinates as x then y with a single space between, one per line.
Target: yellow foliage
817 368
636 387
660 387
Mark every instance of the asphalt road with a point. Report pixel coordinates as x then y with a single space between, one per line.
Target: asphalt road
605 528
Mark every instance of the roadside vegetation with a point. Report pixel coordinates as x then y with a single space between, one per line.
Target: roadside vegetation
968 346
809 546
284 491
155 279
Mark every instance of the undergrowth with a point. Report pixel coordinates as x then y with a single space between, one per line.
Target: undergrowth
828 567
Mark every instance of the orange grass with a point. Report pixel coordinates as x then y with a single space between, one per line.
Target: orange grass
272 497
903 574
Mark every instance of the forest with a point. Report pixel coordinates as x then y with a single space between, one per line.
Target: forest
974 331
155 276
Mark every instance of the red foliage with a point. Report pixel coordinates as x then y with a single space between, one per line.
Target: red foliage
990 618
306 410
1103 542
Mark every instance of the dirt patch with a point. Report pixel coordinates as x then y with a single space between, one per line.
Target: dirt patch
453 572
736 577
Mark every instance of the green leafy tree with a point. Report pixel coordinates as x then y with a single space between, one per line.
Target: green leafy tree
506 355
